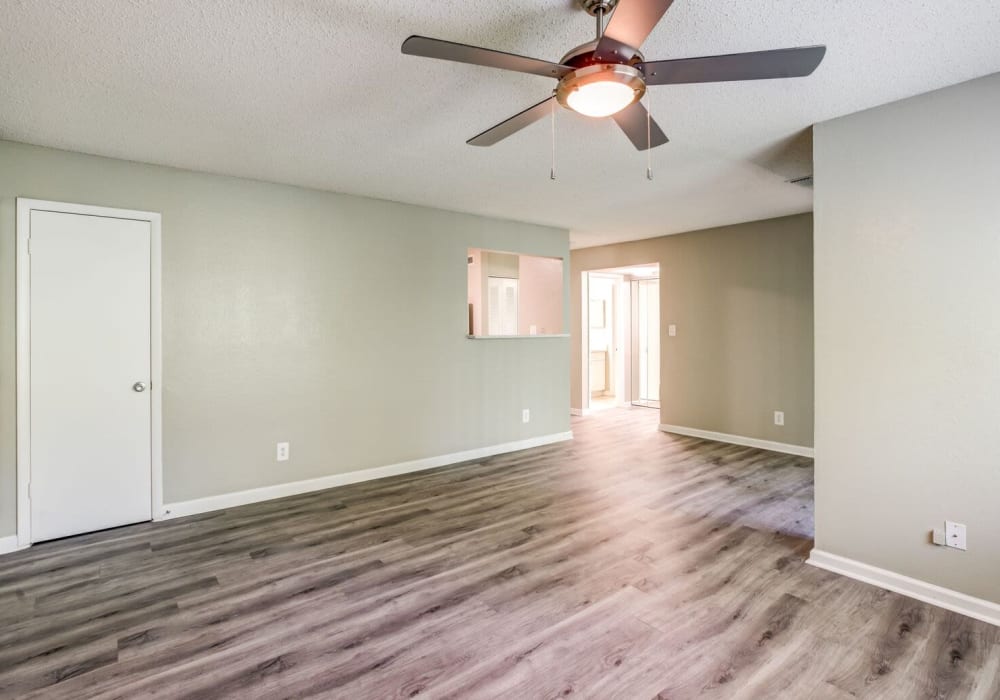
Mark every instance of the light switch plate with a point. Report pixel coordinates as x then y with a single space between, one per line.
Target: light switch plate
671 330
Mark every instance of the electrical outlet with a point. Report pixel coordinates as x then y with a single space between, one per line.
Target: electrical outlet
282 451
779 417
525 416
672 330
955 535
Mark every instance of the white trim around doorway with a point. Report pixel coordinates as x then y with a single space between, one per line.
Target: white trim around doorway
23 351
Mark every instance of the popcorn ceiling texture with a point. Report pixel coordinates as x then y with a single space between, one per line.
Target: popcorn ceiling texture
316 93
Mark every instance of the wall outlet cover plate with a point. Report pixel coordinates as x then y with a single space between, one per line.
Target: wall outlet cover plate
955 534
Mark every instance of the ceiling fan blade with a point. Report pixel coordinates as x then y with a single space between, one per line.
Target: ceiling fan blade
632 121
511 126
630 24
757 65
463 53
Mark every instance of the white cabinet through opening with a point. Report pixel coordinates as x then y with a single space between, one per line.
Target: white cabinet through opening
502 306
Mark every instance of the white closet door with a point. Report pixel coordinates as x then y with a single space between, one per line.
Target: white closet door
90 373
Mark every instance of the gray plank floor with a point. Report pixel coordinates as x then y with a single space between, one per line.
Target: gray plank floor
625 564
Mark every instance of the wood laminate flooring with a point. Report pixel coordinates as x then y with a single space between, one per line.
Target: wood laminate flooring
627 563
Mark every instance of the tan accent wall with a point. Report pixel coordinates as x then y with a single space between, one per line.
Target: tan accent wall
540 295
741 298
337 323
908 335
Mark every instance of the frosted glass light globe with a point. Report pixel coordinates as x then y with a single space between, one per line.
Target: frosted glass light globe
601 99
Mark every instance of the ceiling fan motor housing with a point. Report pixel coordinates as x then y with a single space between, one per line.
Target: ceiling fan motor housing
592 7
587 69
585 55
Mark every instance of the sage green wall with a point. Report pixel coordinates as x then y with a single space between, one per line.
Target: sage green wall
908 335
741 297
337 323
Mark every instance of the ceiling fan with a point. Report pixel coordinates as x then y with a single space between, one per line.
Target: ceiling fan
608 76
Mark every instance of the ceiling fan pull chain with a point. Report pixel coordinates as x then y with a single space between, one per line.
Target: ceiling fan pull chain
649 140
552 172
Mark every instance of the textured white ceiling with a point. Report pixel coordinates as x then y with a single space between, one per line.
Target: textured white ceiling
316 93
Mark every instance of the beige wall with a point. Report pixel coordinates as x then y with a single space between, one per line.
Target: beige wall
908 335
540 299
499 265
741 297
337 323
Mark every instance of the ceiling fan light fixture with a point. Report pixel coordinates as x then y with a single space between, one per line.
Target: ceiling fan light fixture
601 90
601 99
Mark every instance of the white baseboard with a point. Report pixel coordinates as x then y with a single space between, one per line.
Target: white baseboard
294 488
914 588
9 544
799 450
579 411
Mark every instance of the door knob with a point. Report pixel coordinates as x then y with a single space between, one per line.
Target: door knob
139 386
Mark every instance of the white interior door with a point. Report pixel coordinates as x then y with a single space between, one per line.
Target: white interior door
90 372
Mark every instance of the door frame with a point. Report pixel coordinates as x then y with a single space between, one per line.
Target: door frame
23 353
620 358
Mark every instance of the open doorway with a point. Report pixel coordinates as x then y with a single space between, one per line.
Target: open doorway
621 343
